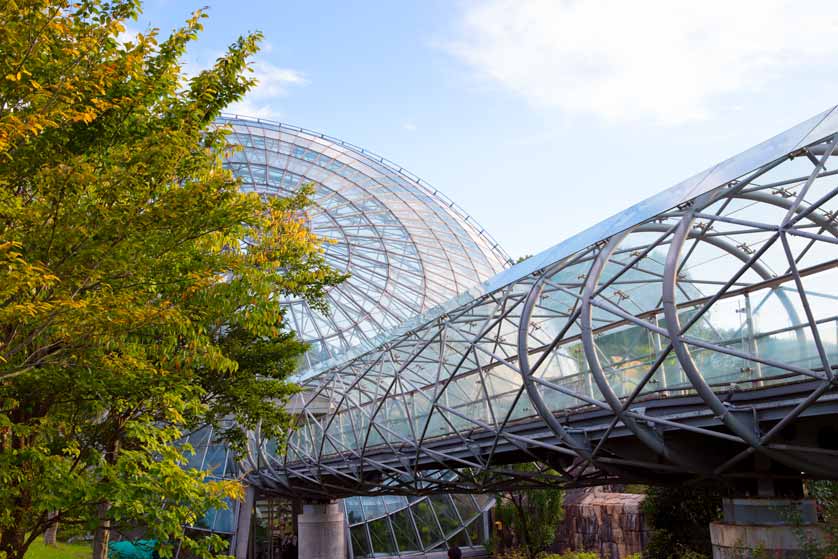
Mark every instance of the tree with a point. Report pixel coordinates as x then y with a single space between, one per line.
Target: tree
680 518
533 514
139 289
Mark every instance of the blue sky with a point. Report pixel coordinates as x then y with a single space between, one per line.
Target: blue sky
540 118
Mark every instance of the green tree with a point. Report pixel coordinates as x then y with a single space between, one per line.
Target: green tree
139 289
680 518
533 514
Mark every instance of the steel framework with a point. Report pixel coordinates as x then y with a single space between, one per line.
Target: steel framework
694 335
406 247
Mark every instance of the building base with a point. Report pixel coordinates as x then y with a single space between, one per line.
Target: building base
755 528
322 531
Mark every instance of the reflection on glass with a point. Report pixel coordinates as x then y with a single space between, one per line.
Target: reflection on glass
448 518
382 538
426 523
405 533
476 532
460 539
466 506
360 544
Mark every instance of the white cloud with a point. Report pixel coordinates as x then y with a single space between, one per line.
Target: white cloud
409 126
667 61
273 83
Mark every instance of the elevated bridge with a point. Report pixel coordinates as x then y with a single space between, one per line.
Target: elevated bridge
693 336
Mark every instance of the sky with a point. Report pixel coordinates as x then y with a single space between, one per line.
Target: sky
539 117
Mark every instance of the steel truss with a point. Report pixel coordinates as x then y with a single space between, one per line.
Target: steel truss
694 336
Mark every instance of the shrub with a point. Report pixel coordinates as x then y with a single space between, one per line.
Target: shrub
521 553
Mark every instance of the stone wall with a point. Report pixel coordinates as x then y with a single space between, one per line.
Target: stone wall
610 524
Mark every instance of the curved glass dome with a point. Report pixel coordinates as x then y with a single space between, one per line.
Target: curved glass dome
406 247
396 526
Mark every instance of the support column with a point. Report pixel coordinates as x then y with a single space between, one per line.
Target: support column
241 539
321 531
773 527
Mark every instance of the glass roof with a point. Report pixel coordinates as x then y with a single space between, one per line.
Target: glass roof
406 247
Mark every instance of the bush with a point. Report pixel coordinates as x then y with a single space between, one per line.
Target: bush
825 494
522 554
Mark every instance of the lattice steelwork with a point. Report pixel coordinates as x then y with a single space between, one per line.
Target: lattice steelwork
406 246
693 335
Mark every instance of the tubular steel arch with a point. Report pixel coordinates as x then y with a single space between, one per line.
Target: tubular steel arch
677 340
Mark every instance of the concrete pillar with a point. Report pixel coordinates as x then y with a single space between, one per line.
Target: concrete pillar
321 531
241 538
766 527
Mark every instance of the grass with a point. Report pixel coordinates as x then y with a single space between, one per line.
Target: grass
61 551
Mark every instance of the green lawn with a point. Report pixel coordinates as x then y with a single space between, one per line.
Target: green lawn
61 551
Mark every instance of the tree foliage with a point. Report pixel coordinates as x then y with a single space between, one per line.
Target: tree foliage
533 514
139 289
680 518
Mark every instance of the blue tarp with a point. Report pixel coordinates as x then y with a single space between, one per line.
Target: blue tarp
138 549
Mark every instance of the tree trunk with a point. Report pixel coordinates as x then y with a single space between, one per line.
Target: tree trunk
13 542
51 531
525 530
102 535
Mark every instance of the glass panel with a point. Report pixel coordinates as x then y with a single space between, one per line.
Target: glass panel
394 502
484 501
405 533
465 504
225 519
360 544
354 512
426 523
445 512
215 460
382 538
199 444
459 539
476 532
373 507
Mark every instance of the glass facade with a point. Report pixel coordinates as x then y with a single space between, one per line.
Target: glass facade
406 247
395 526
218 461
